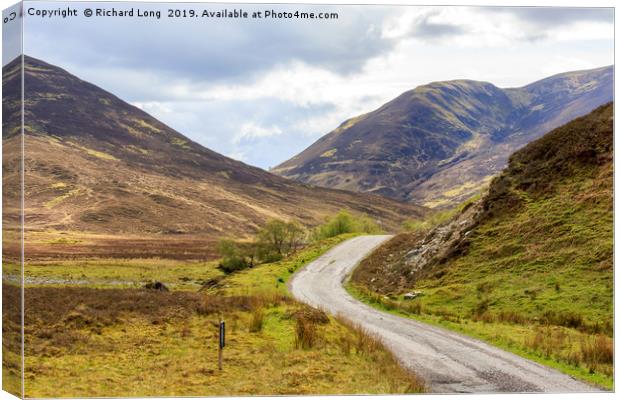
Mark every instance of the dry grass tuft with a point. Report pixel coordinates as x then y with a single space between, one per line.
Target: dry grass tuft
307 321
306 333
258 318
368 345
596 351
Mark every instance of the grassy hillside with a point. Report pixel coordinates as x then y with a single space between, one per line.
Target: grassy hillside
533 271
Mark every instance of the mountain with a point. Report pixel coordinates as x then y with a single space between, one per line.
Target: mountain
440 143
530 265
94 163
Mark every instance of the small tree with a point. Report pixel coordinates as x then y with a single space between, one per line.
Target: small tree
296 236
278 239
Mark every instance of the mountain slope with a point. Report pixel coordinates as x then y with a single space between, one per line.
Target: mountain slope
97 164
535 253
439 143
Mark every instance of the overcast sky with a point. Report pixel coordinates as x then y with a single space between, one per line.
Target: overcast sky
261 91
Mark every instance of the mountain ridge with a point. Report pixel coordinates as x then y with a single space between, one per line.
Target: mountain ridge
438 143
94 163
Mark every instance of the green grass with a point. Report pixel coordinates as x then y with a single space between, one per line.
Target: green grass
534 274
537 281
166 344
118 273
176 274
554 255
180 359
273 276
510 337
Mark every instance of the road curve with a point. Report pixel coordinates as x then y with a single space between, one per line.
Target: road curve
447 361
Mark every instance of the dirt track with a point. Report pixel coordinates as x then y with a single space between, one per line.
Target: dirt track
447 361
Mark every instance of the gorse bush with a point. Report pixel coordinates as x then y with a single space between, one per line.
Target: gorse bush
344 222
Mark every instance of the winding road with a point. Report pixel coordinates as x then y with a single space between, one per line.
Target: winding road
447 361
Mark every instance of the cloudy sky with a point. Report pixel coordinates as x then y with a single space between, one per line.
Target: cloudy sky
262 90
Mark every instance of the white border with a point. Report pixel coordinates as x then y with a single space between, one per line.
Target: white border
504 3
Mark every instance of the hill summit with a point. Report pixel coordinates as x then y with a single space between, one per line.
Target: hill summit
94 163
440 143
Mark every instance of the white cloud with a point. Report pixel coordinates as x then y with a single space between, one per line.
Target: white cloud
251 131
279 99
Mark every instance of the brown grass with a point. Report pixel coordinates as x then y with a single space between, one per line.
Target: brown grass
62 317
306 333
311 314
596 352
256 323
370 346
307 321
70 328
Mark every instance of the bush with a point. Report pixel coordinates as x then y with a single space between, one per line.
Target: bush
344 222
233 258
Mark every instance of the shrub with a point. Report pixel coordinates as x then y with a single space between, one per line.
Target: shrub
311 314
279 239
344 222
233 258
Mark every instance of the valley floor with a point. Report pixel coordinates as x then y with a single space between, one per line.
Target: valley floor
95 339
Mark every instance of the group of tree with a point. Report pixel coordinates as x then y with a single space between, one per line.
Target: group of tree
279 239
276 240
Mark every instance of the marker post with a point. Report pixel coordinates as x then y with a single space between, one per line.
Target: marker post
222 343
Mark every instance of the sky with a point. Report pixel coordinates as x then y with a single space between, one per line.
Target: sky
262 90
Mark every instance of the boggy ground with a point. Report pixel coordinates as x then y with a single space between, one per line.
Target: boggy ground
91 340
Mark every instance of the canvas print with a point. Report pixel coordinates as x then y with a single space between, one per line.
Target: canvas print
205 199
